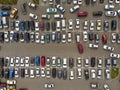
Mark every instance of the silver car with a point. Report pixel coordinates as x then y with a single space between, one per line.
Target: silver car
111 13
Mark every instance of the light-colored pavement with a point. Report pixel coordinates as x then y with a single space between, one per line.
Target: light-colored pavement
62 50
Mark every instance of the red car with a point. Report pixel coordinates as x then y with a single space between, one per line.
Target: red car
104 38
22 89
3 84
82 13
41 25
43 61
80 48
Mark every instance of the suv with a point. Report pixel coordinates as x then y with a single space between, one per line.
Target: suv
23 8
32 5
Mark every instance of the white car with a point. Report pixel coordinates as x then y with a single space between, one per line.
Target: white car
58 16
93 74
48 60
109 6
113 55
49 85
108 48
77 38
99 73
59 7
63 38
37 37
17 25
85 36
51 2
32 36
33 16
111 13
106 87
37 26
53 61
12 61
117 1
95 46
86 61
64 62
114 37
11 35
79 2
48 73
11 82
37 72
85 27
42 72
16 72
79 73
73 9
70 24
22 62
99 25
79 62
99 62
45 16
71 75
107 73
32 5
92 25
77 23
32 73
69 37
110 1
42 39
27 61
6 36
75 1
17 61
26 72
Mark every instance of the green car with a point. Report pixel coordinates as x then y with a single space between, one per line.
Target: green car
51 10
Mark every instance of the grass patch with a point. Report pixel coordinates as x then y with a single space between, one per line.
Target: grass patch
8 2
36 1
114 72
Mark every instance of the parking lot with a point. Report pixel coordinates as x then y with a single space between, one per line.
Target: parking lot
64 50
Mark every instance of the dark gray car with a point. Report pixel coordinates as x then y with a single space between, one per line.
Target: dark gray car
64 74
23 8
71 62
59 73
106 26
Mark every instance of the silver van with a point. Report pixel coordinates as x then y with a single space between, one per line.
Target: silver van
63 25
5 22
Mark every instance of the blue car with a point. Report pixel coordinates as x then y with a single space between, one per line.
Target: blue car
11 73
22 25
27 37
16 37
5 13
37 61
1 25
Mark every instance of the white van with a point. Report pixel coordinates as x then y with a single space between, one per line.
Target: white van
5 22
58 16
58 26
63 25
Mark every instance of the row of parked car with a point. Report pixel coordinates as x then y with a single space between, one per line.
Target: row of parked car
57 25
13 36
54 72
57 62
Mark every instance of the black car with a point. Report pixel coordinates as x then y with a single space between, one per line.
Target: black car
21 36
16 37
47 26
1 37
101 1
53 25
12 24
87 2
58 37
22 72
6 62
32 25
69 1
113 25
32 61
97 13
59 73
64 74
23 8
6 73
1 72
27 25
92 61
1 62
105 25
97 38
27 37
54 72
91 36
58 1
86 73
114 62
71 62
5 7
